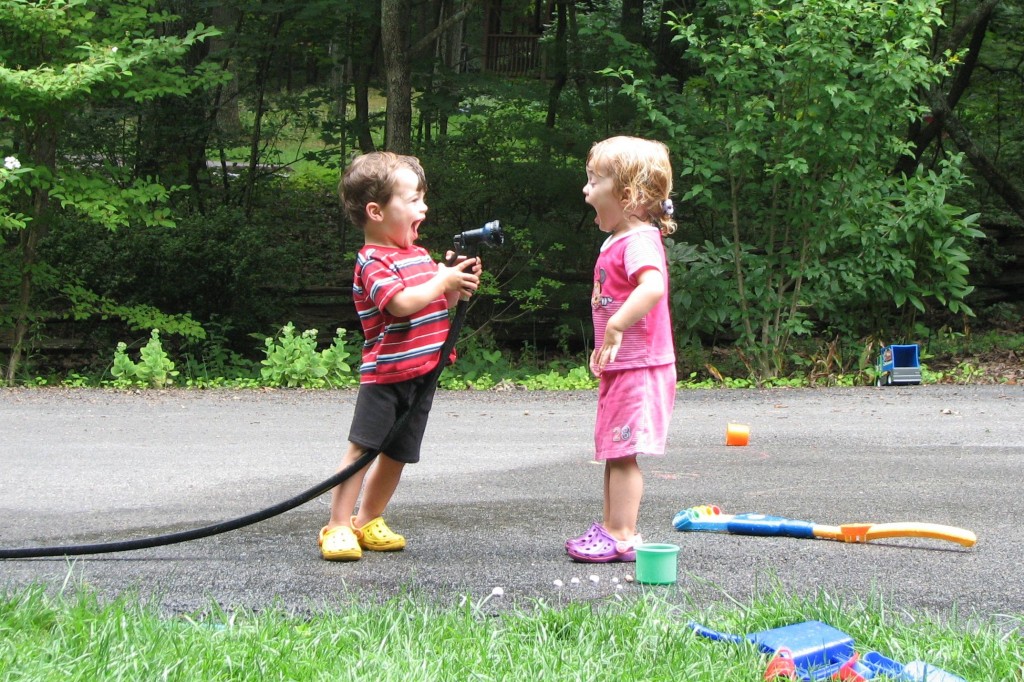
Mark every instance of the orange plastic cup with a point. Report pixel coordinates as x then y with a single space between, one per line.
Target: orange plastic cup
737 434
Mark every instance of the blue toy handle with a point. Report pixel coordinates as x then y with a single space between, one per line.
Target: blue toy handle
761 524
714 634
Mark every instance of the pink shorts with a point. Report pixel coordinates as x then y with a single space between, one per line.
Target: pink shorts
634 407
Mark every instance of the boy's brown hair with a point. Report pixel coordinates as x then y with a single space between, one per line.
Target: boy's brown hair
370 178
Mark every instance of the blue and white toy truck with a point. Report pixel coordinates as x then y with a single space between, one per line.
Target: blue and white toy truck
898 364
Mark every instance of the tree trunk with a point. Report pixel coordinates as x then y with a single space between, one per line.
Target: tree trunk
229 121
921 137
996 179
362 70
559 64
263 70
579 75
633 20
43 155
668 52
394 32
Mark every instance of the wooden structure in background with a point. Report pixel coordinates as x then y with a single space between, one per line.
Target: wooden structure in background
511 36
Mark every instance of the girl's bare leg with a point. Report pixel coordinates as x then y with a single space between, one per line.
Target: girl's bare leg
624 489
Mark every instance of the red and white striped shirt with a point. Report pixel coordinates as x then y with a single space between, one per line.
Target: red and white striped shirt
396 348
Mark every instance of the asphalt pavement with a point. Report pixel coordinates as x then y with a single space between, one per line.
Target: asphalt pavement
506 477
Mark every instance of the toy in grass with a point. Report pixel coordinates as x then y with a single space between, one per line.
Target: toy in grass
814 650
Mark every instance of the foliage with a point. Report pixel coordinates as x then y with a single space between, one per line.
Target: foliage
945 358
784 119
62 61
785 145
83 304
10 219
557 379
293 360
215 265
210 362
493 170
476 367
154 369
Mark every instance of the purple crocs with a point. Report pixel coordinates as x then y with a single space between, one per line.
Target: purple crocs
602 548
595 529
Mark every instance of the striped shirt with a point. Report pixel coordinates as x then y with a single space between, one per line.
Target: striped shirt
396 348
648 343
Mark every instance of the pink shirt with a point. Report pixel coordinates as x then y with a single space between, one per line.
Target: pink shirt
648 343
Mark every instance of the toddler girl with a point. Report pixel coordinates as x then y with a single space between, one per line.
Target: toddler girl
628 184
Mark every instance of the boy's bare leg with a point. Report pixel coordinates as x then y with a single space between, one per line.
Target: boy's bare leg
381 483
345 495
625 491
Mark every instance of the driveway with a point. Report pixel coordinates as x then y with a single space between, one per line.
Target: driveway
506 477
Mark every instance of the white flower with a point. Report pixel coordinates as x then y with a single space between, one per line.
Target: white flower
114 48
11 163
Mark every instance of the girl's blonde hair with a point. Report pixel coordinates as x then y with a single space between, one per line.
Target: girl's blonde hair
640 169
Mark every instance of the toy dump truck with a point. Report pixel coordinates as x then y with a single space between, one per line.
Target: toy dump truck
898 364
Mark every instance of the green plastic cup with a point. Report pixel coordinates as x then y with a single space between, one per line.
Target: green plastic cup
656 563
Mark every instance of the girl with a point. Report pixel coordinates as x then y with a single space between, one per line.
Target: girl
628 184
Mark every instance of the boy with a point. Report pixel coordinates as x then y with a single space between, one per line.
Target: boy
402 297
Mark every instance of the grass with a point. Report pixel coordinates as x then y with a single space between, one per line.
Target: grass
643 637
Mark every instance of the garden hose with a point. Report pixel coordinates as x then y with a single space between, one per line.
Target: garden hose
269 512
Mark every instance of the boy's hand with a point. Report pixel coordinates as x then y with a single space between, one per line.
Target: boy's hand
463 277
449 256
460 280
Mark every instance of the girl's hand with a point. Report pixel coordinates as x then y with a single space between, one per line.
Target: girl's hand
600 358
649 289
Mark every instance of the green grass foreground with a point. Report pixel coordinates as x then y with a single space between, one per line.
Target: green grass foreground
641 637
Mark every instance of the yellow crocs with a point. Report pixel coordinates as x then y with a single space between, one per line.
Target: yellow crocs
339 544
377 537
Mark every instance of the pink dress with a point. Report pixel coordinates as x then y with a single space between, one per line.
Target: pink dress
637 390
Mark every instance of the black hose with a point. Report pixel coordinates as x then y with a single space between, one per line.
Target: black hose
269 512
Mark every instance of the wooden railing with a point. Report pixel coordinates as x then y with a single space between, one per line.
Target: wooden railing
512 55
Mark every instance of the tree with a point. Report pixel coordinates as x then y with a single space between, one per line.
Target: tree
60 60
394 31
785 145
399 51
943 99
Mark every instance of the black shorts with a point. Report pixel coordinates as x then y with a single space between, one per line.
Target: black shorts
380 406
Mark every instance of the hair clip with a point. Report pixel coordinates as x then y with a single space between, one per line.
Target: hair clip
667 207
